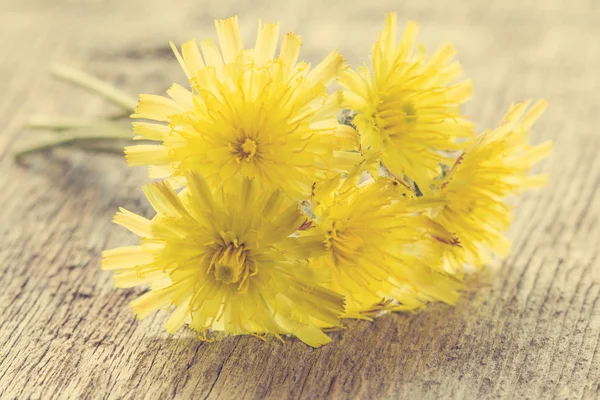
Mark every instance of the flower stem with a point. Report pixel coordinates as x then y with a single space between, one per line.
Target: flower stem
99 132
56 123
94 85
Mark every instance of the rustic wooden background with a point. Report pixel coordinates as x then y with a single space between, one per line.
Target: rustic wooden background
529 329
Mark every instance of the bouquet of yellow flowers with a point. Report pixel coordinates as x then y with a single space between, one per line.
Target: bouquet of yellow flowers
283 207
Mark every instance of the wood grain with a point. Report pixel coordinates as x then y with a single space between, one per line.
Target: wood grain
528 329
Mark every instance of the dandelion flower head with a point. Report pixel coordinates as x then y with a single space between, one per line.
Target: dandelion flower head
381 247
408 106
226 263
249 114
475 189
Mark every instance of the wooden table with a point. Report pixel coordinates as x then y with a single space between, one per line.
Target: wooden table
528 329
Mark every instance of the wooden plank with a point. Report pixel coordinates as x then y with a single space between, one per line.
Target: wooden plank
527 329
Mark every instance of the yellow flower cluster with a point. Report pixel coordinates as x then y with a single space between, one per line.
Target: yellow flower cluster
274 218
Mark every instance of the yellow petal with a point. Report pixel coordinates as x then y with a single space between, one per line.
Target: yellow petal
312 336
516 111
533 114
200 193
290 50
211 53
408 41
178 318
164 200
151 131
145 154
230 38
133 222
192 57
328 69
182 63
460 92
155 300
125 257
390 30
156 108
266 43
182 96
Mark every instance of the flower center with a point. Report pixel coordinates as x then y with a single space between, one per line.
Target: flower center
410 113
247 150
345 246
395 118
232 265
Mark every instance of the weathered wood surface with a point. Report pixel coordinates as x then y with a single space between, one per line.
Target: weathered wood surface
528 330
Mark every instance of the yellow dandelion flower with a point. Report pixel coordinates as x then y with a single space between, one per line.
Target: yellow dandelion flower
248 114
475 189
226 263
408 107
381 246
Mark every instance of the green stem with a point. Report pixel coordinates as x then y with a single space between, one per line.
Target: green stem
56 123
80 135
95 85
64 123
100 148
